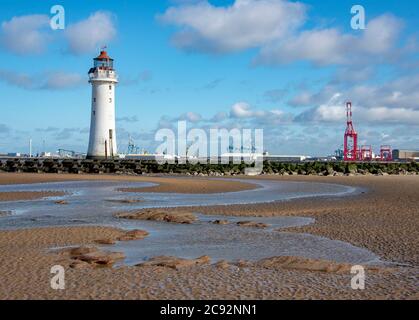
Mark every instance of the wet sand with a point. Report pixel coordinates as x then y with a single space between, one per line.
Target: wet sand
165 184
385 219
17 196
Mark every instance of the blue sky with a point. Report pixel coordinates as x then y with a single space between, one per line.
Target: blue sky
285 66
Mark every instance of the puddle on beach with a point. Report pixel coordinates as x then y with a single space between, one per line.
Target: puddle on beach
231 242
88 205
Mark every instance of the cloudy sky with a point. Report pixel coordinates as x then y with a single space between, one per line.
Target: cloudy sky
285 66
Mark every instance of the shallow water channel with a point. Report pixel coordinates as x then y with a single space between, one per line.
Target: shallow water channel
88 204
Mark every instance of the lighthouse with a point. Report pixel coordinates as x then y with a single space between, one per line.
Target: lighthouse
102 77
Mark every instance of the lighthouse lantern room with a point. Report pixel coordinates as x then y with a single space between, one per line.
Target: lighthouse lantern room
102 77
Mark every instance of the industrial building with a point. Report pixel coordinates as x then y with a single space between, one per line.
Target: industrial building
406 155
286 158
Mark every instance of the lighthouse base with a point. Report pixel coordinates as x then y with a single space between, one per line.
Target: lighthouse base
90 157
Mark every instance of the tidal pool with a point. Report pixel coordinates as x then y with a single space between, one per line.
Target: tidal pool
88 205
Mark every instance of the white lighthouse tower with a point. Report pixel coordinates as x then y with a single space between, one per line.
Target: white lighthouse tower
102 142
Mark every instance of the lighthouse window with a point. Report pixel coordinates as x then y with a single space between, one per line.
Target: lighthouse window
110 100
94 99
110 88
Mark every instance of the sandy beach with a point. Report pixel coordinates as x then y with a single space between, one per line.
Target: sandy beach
30 195
165 184
383 219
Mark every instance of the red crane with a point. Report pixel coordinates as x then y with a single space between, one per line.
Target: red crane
386 153
350 146
366 153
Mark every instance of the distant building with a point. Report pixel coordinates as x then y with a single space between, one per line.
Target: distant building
286 158
46 154
407 155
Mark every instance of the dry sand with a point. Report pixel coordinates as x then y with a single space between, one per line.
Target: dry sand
384 220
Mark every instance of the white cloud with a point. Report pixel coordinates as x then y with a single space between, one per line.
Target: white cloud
275 27
330 46
191 117
397 93
243 110
334 111
31 34
88 35
390 115
25 35
245 24
46 81
62 80
331 111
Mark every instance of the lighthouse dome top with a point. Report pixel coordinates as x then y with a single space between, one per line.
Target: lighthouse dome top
103 61
103 56
102 69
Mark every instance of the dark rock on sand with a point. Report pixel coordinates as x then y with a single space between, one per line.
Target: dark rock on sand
125 201
174 262
242 263
82 250
252 224
306 264
107 241
93 256
77 264
221 222
61 202
133 235
222 264
126 236
159 215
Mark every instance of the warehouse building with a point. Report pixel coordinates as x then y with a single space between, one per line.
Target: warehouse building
406 155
